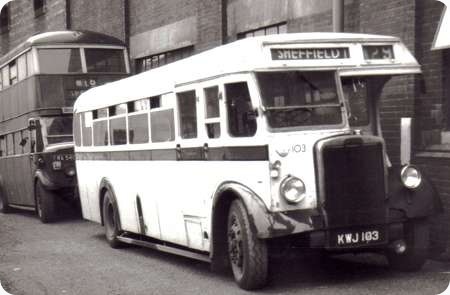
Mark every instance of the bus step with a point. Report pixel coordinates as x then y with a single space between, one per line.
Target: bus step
164 248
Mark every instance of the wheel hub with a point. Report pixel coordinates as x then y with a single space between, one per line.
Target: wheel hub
235 243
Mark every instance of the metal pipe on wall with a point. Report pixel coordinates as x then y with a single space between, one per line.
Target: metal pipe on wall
338 15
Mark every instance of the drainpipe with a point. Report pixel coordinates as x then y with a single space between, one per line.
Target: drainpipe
68 15
338 15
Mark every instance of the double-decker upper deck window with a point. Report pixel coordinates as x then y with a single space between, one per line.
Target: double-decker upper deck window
13 78
105 60
5 76
294 98
188 114
59 61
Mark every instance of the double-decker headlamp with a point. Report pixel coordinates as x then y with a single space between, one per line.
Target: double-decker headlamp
293 190
411 177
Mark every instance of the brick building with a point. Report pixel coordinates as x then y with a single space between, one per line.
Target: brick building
161 31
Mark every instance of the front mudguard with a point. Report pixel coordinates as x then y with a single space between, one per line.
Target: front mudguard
413 203
263 223
269 224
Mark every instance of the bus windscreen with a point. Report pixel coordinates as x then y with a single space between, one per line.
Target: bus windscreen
297 99
58 129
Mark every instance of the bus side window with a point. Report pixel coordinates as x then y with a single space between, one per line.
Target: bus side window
86 128
100 126
118 125
138 121
188 114
162 125
239 107
212 111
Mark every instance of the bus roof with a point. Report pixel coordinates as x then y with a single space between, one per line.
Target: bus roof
251 54
61 38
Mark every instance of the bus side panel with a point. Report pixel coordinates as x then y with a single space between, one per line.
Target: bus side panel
185 191
24 179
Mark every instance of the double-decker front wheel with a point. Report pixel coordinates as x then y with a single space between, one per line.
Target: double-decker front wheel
45 203
247 254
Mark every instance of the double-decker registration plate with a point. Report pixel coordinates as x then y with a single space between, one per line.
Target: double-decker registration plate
348 238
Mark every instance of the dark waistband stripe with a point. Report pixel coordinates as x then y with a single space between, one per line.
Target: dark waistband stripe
242 153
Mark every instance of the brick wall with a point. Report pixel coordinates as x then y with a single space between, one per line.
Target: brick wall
24 23
429 99
147 15
392 18
103 16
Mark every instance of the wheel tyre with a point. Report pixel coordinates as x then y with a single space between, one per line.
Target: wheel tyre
4 206
417 246
45 203
111 221
247 254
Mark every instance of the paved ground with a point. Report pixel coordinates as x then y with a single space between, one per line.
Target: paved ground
72 257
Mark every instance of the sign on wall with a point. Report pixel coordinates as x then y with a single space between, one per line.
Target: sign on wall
442 37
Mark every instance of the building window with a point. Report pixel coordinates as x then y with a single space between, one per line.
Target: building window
39 7
157 60
269 30
4 19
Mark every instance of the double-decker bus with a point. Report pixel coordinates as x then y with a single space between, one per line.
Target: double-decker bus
39 82
263 142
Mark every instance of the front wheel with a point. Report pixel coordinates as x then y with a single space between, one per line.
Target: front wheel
111 221
417 245
247 254
45 203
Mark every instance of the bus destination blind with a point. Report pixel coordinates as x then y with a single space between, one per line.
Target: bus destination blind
310 53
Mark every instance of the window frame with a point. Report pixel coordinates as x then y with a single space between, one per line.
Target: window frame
40 7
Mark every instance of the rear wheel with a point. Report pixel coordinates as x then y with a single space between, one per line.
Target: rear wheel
417 245
247 254
111 220
4 206
45 203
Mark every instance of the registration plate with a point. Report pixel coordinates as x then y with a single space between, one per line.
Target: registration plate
357 237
